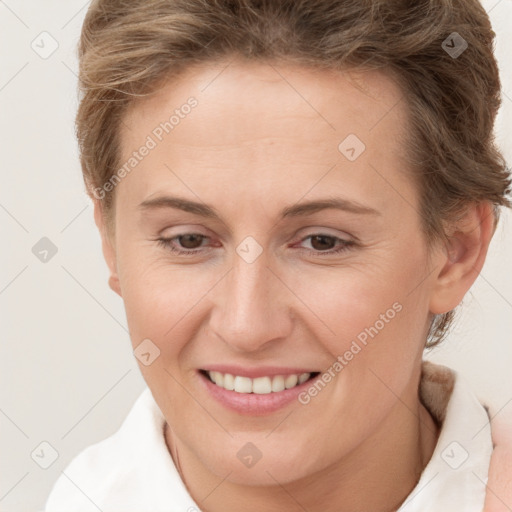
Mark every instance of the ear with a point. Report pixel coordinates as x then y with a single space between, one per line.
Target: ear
463 257
108 246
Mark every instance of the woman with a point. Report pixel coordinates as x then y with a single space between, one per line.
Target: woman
293 197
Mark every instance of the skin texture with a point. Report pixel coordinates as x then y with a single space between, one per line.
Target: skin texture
263 137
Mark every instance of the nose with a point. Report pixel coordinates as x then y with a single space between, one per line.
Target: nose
252 307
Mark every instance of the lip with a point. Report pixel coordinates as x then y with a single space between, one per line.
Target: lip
252 404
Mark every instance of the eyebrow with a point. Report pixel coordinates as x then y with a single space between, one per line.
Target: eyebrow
296 210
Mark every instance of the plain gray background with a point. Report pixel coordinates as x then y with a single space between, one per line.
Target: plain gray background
68 373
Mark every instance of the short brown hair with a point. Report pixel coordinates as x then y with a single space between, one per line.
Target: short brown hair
128 47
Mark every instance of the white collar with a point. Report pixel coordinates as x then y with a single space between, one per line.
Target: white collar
456 475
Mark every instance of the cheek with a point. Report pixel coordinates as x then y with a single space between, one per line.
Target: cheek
347 301
162 301
374 316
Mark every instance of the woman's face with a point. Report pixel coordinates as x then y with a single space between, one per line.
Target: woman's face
272 284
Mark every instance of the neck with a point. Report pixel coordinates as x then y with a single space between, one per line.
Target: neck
393 459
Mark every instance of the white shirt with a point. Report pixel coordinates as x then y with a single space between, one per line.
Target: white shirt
132 470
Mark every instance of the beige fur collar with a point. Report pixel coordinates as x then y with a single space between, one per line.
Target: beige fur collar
436 387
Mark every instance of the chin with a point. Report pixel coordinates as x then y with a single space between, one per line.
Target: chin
250 466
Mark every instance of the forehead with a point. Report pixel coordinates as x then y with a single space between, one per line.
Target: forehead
277 92
266 126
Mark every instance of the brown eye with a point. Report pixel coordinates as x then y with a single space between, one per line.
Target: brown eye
322 242
190 241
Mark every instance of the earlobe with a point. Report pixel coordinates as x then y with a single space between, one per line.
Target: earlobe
108 246
463 257
113 282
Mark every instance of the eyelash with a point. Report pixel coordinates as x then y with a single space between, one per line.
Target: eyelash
344 246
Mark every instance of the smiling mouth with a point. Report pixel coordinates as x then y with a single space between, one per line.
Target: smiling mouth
259 385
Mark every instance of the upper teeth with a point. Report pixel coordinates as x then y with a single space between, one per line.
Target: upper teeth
260 385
